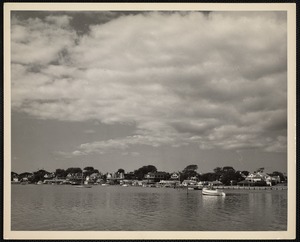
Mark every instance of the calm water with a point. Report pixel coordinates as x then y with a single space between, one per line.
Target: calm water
66 208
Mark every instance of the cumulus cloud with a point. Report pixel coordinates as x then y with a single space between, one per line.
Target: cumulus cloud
217 80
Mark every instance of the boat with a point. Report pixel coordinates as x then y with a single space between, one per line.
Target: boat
212 192
84 186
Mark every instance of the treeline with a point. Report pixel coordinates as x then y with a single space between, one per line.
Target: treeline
227 174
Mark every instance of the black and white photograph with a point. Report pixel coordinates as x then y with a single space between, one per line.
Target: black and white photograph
150 120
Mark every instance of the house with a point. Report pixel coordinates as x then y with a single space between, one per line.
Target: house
155 176
260 177
49 175
175 176
189 183
169 183
94 176
255 177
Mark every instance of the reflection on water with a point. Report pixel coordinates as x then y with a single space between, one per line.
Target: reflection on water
66 208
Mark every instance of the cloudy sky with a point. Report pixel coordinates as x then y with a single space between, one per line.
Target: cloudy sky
127 89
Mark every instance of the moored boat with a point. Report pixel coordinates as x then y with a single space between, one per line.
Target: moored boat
212 192
84 186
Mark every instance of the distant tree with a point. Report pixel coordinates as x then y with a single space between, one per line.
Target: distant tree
13 175
60 173
261 170
24 174
246 173
141 172
88 168
188 172
227 168
39 175
121 171
208 177
218 171
73 170
277 173
230 176
168 176
190 168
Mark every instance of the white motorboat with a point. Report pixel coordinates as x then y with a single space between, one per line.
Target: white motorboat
212 192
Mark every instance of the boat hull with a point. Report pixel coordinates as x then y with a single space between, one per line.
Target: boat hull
210 192
84 186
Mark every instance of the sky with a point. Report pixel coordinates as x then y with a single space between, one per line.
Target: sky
127 89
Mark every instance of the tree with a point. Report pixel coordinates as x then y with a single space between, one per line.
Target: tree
73 170
261 170
39 175
121 171
60 173
229 176
277 173
227 168
89 168
245 173
13 175
141 172
190 168
218 171
208 177
188 172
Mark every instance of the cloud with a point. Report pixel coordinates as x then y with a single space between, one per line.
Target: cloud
217 80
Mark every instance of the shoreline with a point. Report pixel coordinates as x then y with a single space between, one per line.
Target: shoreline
217 187
252 188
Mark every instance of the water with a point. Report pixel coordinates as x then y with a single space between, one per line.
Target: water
115 208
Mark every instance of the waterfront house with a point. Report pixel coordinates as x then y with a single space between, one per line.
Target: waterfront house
49 175
169 183
15 179
155 176
94 177
114 178
260 177
175 176
255 177
216 183
189 183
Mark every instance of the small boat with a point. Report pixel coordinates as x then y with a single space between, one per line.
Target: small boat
84 186
212 192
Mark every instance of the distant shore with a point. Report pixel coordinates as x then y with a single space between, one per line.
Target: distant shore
185 187
252 188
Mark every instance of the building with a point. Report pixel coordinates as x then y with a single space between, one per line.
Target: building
155 176
260 177
175 176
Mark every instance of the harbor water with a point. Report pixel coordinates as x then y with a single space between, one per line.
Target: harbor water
116 208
